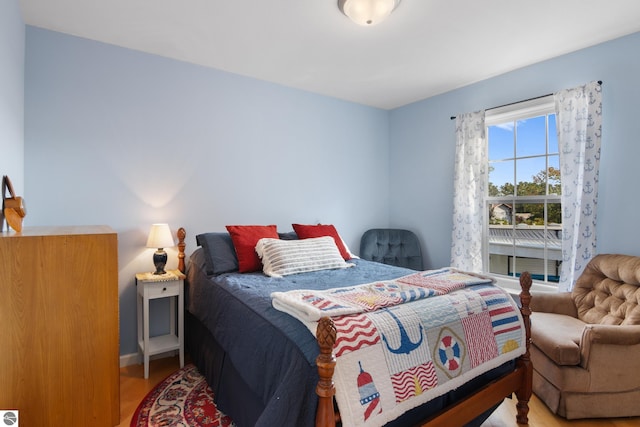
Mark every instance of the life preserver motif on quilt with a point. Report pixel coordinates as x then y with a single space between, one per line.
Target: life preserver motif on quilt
450 352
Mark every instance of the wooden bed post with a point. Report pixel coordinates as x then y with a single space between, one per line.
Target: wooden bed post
326 362
181 245
523 393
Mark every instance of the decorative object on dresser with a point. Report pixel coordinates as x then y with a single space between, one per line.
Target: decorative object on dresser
59 364
160 237
153 286
13 207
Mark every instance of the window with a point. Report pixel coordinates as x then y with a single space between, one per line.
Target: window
523 225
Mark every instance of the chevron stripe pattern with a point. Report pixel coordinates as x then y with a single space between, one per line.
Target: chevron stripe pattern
413 382
354 333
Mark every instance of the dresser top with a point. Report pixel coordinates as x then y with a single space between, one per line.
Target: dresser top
59 231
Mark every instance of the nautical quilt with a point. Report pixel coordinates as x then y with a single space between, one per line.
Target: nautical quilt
403 342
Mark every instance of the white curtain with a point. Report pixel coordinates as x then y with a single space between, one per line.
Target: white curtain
579 118
470 183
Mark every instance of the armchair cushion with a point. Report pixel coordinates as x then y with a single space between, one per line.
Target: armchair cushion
608 291
563 345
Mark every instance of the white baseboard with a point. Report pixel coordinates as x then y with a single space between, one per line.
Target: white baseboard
130 359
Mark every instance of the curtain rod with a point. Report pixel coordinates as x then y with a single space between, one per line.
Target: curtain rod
518 102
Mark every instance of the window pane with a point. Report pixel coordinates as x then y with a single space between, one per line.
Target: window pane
513 250
500 214
501 137
531 137
531 176
499 264
529 214
501 238
524 162
553 177
501 178
539 269
554 215
530 238
553 134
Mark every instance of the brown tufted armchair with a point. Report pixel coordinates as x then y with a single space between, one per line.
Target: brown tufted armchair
586 343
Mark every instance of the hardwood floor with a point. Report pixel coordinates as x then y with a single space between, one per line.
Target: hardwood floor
133 388
540 416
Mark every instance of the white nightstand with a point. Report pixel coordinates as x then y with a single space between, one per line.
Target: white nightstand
150 286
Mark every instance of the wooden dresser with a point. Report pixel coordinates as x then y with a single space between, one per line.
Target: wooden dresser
59 340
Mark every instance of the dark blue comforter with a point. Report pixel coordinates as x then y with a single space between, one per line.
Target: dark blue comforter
272 351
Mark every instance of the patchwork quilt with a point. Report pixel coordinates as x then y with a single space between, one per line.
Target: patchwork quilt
403 342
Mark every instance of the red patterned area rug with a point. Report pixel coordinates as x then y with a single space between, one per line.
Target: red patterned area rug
182 399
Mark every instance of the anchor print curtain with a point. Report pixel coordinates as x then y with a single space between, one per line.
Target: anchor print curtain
579 115
469 187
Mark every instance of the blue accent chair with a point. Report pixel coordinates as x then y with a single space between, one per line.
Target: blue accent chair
392 246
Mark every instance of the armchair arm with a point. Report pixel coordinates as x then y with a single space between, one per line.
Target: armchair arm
553 302
611 334
611 354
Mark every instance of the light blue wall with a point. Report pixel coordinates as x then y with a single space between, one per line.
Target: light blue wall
118 137
12 41
423 144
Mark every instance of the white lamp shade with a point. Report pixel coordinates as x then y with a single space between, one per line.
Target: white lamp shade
367 12
160 237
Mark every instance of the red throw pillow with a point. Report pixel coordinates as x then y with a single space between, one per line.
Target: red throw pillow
320 230
245 238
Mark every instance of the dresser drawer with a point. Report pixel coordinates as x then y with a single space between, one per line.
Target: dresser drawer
162 289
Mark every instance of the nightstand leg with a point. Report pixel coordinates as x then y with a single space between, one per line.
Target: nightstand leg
181 322
172 315
140 337
145 312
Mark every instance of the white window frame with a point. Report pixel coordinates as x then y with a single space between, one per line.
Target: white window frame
512 113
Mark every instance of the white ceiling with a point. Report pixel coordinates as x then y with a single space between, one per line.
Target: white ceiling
426 47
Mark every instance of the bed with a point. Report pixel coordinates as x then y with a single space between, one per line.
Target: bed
266 368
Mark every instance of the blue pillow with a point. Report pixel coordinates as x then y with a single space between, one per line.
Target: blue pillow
290 235
220 254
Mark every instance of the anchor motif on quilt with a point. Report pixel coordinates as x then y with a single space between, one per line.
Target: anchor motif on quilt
406 345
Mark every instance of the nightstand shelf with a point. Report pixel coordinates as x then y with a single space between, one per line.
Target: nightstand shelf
151 286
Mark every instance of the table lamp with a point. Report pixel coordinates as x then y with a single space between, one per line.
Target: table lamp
160 237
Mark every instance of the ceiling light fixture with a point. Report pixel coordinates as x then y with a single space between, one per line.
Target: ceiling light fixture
367 12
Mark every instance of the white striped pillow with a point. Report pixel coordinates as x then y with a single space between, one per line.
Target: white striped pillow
284 257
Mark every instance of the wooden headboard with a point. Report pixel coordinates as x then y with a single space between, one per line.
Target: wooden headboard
181 245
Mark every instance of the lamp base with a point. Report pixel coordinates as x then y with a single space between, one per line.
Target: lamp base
160 260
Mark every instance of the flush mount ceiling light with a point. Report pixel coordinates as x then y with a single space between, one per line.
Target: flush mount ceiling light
367 12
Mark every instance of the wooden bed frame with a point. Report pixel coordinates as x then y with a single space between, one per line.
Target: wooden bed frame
518 381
